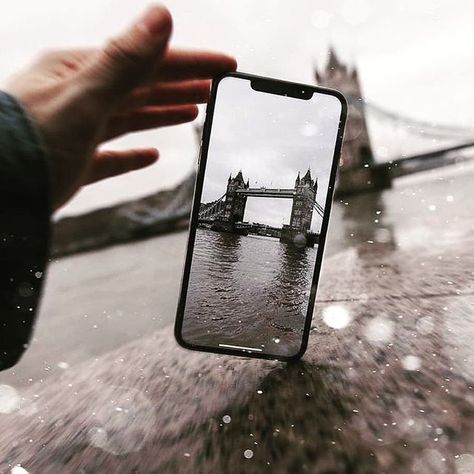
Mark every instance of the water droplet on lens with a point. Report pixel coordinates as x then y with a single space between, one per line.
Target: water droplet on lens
379 329
411 362
430 461
464 464
18 470
320 19
9 399
425 325
124 423
309 130
97 437
300 240
248 454
336 316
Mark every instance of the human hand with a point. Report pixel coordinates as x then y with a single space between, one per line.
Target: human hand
82 98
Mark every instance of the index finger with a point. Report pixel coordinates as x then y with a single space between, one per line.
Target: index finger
179 65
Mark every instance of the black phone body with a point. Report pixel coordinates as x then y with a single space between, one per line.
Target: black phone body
251 268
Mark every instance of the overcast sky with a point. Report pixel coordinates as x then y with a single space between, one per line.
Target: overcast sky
270 138
413 57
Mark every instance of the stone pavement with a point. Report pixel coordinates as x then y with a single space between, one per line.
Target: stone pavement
386 386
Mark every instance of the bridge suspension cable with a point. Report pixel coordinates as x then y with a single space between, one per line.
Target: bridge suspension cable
212 210
318 208
417 126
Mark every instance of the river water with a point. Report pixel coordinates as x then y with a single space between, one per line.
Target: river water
249 291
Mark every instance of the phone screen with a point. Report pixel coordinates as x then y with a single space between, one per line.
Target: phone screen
260 215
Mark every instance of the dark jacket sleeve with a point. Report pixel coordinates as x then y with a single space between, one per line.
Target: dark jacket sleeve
24 228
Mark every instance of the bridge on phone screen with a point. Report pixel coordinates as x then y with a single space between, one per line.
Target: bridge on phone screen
226 213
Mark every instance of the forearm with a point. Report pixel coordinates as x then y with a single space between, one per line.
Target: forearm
24 227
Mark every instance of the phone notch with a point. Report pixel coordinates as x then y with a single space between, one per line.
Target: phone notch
287 89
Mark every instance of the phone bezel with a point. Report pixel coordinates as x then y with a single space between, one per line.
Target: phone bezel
278 87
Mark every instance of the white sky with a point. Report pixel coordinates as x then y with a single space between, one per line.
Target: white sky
413 57
270 138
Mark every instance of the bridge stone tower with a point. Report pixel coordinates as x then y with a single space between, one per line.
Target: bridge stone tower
302 211
305 195
356 151
355 171
234 208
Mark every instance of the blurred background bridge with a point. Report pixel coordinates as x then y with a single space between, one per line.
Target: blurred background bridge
360 170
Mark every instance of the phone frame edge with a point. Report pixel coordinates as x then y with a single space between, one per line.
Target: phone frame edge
206 134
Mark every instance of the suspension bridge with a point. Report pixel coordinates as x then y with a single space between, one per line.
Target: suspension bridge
215 209
418 144
227 212
361 173
365 174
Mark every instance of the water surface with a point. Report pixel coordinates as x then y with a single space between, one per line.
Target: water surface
249 291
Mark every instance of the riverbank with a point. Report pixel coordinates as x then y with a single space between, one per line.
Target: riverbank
160 213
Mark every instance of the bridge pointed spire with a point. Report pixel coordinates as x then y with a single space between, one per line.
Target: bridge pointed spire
298 179
333 62
307 177
239 177
230 178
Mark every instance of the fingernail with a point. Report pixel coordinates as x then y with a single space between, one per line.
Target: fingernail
156 22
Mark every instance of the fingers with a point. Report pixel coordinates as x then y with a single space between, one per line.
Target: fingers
179 65
112 163
149 117
170 93
128 59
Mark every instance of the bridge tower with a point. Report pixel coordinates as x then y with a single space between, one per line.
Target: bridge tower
302 210
356 151
234 208
355 173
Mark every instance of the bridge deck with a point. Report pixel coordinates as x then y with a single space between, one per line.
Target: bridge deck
267 192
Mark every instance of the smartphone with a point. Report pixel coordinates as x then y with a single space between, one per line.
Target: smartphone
265 181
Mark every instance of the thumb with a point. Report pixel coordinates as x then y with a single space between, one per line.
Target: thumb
128 60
